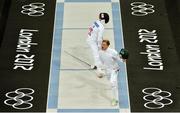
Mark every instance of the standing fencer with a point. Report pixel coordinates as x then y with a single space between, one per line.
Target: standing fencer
95 37
110 62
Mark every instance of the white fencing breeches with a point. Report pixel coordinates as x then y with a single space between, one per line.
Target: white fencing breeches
112 76
94 48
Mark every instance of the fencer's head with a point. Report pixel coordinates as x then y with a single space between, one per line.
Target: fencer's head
105 44
104 17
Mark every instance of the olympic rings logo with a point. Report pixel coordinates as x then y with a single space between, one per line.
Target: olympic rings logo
20 98
156 98
141 9
33 9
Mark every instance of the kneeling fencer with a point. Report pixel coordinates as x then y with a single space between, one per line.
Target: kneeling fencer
110 67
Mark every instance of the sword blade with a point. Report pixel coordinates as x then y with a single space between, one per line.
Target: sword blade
77 58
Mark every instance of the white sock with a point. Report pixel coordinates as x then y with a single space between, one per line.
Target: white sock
115 93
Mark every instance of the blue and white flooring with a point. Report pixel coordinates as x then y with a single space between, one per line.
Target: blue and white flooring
72 87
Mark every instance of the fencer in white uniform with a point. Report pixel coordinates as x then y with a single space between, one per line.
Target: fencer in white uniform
110 67
95 37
